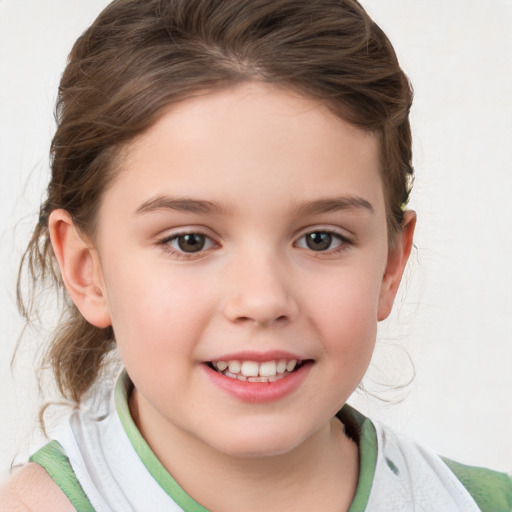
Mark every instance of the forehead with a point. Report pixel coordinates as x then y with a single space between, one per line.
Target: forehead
241 145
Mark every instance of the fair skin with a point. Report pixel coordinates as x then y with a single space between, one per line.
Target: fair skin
268 246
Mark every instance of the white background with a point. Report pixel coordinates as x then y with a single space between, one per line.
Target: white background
455 317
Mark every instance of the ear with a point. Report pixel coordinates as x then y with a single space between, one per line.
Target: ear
80 268
398 255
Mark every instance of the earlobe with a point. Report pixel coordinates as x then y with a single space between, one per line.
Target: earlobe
80 269
397 259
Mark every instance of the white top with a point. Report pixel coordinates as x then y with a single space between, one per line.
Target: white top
106 453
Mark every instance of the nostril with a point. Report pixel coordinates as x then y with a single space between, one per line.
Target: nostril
242 319
260 321
259 308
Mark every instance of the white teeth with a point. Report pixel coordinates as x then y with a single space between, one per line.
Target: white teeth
268 369
252 371
257 379
291 365
221 365
233 376
234 366
281 366
249 368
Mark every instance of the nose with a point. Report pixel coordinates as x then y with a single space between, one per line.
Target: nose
259 293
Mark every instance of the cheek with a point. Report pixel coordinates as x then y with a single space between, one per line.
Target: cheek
349 296
345 315
153 312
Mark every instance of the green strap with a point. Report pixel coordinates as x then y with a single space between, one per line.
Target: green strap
362 430
357 426
146 455
55 462
491 490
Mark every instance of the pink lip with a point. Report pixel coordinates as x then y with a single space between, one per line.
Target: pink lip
259 392
259 357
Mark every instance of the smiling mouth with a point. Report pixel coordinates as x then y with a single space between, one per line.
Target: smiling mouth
253 371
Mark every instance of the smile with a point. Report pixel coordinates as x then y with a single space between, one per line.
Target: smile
253 371
259 378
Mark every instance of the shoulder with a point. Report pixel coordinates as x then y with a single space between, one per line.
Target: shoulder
491 490
32 489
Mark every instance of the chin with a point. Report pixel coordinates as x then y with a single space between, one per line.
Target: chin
257 442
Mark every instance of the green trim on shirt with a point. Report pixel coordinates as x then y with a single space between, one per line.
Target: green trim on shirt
491 490
55 462
361 429
357 426
148 458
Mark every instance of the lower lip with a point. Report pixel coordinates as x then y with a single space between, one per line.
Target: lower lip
259 392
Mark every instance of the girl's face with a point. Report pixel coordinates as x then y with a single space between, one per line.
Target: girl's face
246 229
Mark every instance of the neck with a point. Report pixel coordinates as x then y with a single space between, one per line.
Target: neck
319 474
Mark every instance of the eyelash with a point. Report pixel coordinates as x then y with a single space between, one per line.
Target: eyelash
180 254
344 243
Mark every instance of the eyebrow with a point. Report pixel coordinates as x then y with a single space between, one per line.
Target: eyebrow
200 206
181 204
333 204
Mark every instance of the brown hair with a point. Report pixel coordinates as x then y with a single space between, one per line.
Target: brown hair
140 56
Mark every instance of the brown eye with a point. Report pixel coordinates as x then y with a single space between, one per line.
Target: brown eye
323 241
193 242
319 241
191 245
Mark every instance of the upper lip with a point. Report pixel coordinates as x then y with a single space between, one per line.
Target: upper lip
259 357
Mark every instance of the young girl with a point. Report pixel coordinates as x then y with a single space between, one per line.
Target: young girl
227 210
